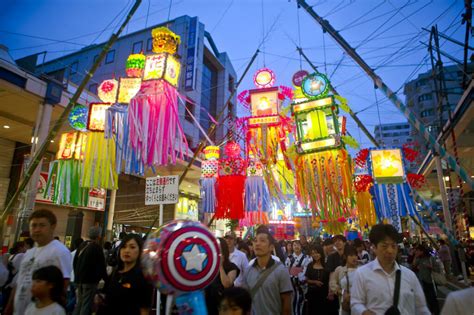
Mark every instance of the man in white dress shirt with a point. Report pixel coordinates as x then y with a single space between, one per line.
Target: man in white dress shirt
373 286
237 257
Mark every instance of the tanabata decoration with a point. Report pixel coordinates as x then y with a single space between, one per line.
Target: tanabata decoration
78 117
392 194
99 157
107 90
209 172
230 184
64 179
282 230
365 205
156 134
257 196
182 258
135 65
323 166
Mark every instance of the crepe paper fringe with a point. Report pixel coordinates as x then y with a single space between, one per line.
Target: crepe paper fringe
365 209
208 194
254 218
99 169
117 127
257 196
63 184
230 197
156 134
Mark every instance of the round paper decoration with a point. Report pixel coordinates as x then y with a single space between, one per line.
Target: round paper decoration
78 117
315 85
298 77
232 149
212 152
134 65
264 78
182 256
107 90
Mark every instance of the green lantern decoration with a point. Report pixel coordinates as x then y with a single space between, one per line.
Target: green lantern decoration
135 65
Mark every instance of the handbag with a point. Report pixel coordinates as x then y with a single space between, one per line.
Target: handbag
393 310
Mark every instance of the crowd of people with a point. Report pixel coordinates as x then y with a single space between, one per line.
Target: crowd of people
261 276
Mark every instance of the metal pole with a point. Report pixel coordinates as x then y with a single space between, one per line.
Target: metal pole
351 113
110 215
55 129
444 196
161 215
412 119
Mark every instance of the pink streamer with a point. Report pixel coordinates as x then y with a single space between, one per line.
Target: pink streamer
156 133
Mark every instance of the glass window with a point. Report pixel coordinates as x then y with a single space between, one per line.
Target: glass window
73 68
110 57
137 47
149 44
208 94
190 107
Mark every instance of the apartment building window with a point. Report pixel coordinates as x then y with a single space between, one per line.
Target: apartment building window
93 88
427 113
110 57
189 108
149 44
137 47
421 82
425 97
73 68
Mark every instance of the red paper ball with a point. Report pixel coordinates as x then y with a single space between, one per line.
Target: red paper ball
232 149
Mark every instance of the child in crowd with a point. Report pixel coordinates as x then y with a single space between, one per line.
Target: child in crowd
48 292
235 301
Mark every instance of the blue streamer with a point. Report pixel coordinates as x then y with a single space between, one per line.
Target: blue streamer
257 195
208 194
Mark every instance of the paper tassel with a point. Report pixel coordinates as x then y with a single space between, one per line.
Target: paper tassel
117 128
365 209
257 196
230 197
254 218
208 194
156 133
99 162
64 183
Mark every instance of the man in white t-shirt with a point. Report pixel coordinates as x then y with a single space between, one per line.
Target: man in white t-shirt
237 257
47 252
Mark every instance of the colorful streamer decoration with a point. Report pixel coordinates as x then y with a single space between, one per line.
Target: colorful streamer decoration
65 172
230 184
257 196
155 131
209 172
78 117
99 157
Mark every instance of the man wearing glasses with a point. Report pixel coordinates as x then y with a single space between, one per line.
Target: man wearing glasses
47 252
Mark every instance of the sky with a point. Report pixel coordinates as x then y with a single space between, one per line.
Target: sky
387 34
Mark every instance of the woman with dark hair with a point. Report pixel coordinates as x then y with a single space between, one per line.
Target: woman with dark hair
342 278
228 272
127 291
235 301
423 265
317 278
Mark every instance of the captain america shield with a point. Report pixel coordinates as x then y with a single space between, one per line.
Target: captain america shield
191 260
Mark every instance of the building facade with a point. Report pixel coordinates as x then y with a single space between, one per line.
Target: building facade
207 75
421 97
393 135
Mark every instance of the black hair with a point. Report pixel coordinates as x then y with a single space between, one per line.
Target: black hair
43 213
16 247
239 297
328 242
77 242
122 235
296 241
340 237
107 245
29 241
224 251
53 275
320 250
350 251
358 242
381 231
442 242
424 249
127 238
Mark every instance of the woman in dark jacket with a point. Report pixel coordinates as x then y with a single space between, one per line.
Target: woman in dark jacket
127 291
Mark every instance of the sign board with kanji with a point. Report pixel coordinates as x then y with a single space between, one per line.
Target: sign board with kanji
161 190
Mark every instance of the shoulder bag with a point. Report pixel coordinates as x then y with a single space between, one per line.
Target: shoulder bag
262 279
393 310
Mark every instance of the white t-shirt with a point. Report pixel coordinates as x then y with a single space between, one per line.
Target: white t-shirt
53 254
240 260
16 262
52 309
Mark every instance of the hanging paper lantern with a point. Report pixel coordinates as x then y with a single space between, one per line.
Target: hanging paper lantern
264 78
135 65
212 152
232 149
315 86
387 166
162 66
128 88
257 196
165 40
65 172
209 172
107 91
99 163
78 117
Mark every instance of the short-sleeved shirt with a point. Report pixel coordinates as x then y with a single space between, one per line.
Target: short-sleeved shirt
127 292
267 299
52 254
240 260
52 309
